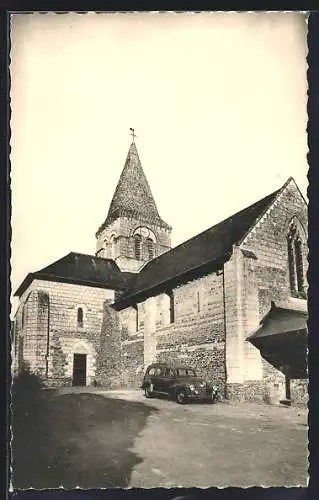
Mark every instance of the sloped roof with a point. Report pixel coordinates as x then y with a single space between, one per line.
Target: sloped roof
133 196
280 320
212 245
282 340
81 269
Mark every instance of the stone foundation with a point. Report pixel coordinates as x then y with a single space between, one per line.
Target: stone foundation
132 364
57 382
255 391
299 392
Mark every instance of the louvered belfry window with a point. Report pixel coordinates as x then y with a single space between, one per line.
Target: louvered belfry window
138 246
150 248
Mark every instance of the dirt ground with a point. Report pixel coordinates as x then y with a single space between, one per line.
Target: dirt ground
95 439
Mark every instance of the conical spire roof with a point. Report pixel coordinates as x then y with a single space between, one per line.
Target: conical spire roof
133 196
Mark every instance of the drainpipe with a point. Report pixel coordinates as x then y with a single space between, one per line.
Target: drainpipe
48 343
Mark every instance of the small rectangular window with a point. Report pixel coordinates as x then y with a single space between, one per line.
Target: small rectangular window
136 318
169 372
80 317
171 307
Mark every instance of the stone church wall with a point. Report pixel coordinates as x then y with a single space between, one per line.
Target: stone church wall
299 392
132 363
197 336
268 241
66 337
30 347
213 316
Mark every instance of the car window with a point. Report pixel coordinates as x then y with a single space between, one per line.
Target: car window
151 371
169 372
186 372
158 372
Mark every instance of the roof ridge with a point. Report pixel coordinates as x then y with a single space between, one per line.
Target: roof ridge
79 268
180 245
52 263
276 194
92 256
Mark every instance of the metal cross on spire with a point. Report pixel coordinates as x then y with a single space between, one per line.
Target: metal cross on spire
133 133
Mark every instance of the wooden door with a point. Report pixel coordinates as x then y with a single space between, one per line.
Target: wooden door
79 369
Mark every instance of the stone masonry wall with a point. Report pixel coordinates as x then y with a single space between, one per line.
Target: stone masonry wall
132 363
299 392
243 361
268 240
66 337
123 251
109 362
32 345
196 337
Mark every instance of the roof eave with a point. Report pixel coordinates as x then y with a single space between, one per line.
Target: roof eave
129 300
65 279
24 285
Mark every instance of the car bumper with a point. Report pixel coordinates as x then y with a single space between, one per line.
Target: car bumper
200 395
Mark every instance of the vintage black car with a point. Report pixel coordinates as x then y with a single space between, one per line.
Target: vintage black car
179 382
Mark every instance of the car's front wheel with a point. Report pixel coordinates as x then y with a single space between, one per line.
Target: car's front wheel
149 391
181 397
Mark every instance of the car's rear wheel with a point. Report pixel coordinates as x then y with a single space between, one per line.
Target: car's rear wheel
149 391
181 397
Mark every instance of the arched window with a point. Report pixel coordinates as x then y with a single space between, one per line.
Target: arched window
144 241
295 260
138 246
150 248
80 317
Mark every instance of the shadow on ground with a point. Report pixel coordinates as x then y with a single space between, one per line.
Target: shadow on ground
74 440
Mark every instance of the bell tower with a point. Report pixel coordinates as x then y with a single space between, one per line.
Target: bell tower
133 232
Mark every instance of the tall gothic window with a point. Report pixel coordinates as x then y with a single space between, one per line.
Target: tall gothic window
295 260
150 248
80 317
138 246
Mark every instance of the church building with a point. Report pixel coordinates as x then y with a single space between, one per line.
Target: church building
231 302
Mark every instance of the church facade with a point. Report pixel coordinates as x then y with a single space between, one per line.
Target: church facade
230 302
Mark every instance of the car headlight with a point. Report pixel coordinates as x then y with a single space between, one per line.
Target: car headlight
191 387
